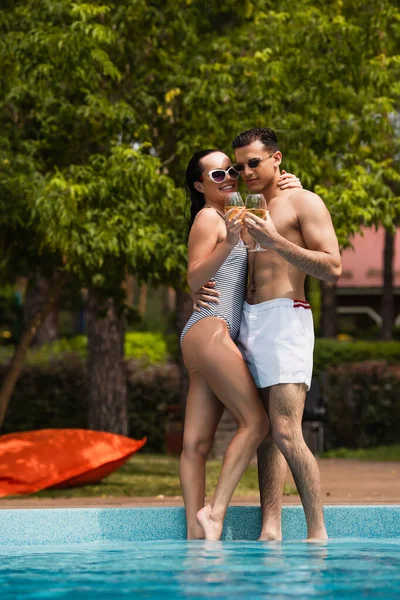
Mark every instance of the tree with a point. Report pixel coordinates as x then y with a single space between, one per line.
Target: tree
93 80
65 126
37 291
387 292
103 219
324 76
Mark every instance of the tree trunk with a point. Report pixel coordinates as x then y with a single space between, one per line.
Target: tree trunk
35 297
108 393
184 307
387 309
328 310
17 361
130 290
169 308
143 299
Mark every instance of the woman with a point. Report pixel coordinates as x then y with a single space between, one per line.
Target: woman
218 374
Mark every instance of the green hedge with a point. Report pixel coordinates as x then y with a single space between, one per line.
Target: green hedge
362 386
363 405
332 353
156 348
55 396
148 347
52 391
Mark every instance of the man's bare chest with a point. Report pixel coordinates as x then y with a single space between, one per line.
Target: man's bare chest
285 220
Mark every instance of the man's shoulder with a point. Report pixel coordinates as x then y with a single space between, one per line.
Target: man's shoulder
303 195
305 201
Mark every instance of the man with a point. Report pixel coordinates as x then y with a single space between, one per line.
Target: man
276 336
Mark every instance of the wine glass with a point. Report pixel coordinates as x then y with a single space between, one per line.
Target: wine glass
234 200
256 205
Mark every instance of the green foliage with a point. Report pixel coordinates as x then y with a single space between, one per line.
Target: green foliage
146 347
100 102
74 194
323 75
52 392
156 348
115 214
363 406
331 353
153 348
153 394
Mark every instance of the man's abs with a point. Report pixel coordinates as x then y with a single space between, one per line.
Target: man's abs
271 276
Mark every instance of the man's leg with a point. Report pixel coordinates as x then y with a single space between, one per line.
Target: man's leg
286 406
272 468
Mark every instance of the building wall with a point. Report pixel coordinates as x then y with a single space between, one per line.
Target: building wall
363 265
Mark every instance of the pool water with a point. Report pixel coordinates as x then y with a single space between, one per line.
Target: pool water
337 569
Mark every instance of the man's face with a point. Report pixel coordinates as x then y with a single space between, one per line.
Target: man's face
257 177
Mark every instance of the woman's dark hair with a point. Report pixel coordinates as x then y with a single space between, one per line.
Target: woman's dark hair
194 171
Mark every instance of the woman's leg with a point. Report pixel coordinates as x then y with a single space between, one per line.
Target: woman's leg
202 415
212 352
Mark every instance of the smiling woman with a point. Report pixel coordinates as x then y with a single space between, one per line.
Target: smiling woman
206 170
208 347
220 175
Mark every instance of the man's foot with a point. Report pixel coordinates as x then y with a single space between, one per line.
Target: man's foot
317 536
212 527
270 535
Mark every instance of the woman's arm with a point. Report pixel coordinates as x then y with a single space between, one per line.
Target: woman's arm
209 246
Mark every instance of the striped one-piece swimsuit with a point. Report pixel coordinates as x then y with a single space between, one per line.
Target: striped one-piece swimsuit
231 281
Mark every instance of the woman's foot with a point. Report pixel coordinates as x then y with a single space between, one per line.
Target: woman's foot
195 533
211 525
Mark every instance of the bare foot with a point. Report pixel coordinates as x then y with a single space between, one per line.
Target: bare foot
270 535
196 533
319 537
212 527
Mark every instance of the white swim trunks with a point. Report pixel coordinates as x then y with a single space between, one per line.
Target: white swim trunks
276 340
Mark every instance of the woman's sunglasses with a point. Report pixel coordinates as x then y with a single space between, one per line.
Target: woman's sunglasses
253 163
219 175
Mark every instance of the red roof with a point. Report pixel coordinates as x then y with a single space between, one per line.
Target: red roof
363 266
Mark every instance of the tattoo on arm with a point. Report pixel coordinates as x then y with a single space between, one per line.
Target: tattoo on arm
313 262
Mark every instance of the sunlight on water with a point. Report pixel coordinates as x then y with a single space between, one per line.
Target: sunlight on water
340 569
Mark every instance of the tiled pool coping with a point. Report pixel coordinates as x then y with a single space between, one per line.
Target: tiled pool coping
74 525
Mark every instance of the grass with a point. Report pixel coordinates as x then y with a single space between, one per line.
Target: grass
380 453
154 475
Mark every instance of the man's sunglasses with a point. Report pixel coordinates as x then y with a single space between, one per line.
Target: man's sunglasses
219 175
253 163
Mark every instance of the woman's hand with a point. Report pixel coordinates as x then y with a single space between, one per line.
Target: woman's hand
288 180
234 225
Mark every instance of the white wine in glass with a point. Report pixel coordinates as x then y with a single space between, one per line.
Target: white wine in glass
256 205
234 200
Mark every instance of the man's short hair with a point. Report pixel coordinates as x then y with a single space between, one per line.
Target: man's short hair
262 134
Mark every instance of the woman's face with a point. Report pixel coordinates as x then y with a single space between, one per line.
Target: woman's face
216 192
